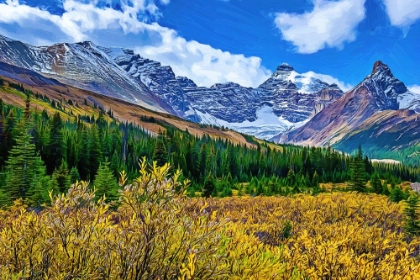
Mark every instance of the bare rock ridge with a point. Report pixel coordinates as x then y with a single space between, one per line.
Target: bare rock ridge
377 105
82 65
286 95
285 101
289 107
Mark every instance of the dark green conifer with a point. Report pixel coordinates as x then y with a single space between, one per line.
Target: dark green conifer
411 211
376 184
159 154
74 175
358 171
105 183
56 147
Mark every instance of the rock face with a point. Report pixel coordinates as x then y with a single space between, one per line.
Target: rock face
292 97
82 65
285 101
375 105
296 97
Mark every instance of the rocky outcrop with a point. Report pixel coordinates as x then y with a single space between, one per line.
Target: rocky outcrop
358 110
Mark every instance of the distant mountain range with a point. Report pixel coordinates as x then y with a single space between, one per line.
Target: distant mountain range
380 113
285 101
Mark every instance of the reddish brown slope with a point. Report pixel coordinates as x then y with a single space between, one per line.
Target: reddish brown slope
377 93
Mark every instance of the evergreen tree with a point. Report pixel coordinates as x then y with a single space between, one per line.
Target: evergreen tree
95 151
376 184
357 169
84 152
115 163
62 177
159 154
290 177
3 146
24 167
411 211
209 186
41 186
397 194
385 190
74 175
105 183
315 180
55 149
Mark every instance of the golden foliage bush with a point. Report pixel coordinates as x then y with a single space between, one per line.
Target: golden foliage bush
156 232
332 236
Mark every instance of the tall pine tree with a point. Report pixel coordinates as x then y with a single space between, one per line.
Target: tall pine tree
24 167
358 171
105 183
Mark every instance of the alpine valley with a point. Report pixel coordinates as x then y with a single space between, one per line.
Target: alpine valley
114 166
380 113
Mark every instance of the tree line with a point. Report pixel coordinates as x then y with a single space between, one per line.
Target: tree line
40 152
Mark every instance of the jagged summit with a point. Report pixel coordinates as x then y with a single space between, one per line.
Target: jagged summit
285 67
287 99
378 66
379 92
87 44
386 89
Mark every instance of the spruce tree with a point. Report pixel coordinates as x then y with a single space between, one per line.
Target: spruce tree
62 177
358 170
209 186
397 194
159 154
95 151
315 180
290 177
105 183
74 175
24 167
84 154
411 221
56 150
376 184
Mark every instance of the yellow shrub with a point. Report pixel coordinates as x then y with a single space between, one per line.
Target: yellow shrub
156 232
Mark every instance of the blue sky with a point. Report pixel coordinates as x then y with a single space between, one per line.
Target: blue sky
236 40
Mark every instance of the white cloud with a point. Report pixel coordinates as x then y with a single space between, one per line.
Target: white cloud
403 13
202 63
79 19
414 89
328 79
329 24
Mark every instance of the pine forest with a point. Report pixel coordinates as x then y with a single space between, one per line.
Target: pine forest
89 196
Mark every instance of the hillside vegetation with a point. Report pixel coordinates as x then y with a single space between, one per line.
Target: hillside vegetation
48 149
155 232
88 194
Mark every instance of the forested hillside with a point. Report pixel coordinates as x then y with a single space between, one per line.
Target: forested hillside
47 146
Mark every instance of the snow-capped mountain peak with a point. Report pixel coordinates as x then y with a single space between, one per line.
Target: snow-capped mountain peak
288 99
385 88
287 78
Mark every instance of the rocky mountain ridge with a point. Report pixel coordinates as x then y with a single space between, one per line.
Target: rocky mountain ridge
378 113
291 98
285 101
288 107
82 65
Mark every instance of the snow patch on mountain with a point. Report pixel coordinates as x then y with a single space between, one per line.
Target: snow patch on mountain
266 125
409 100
